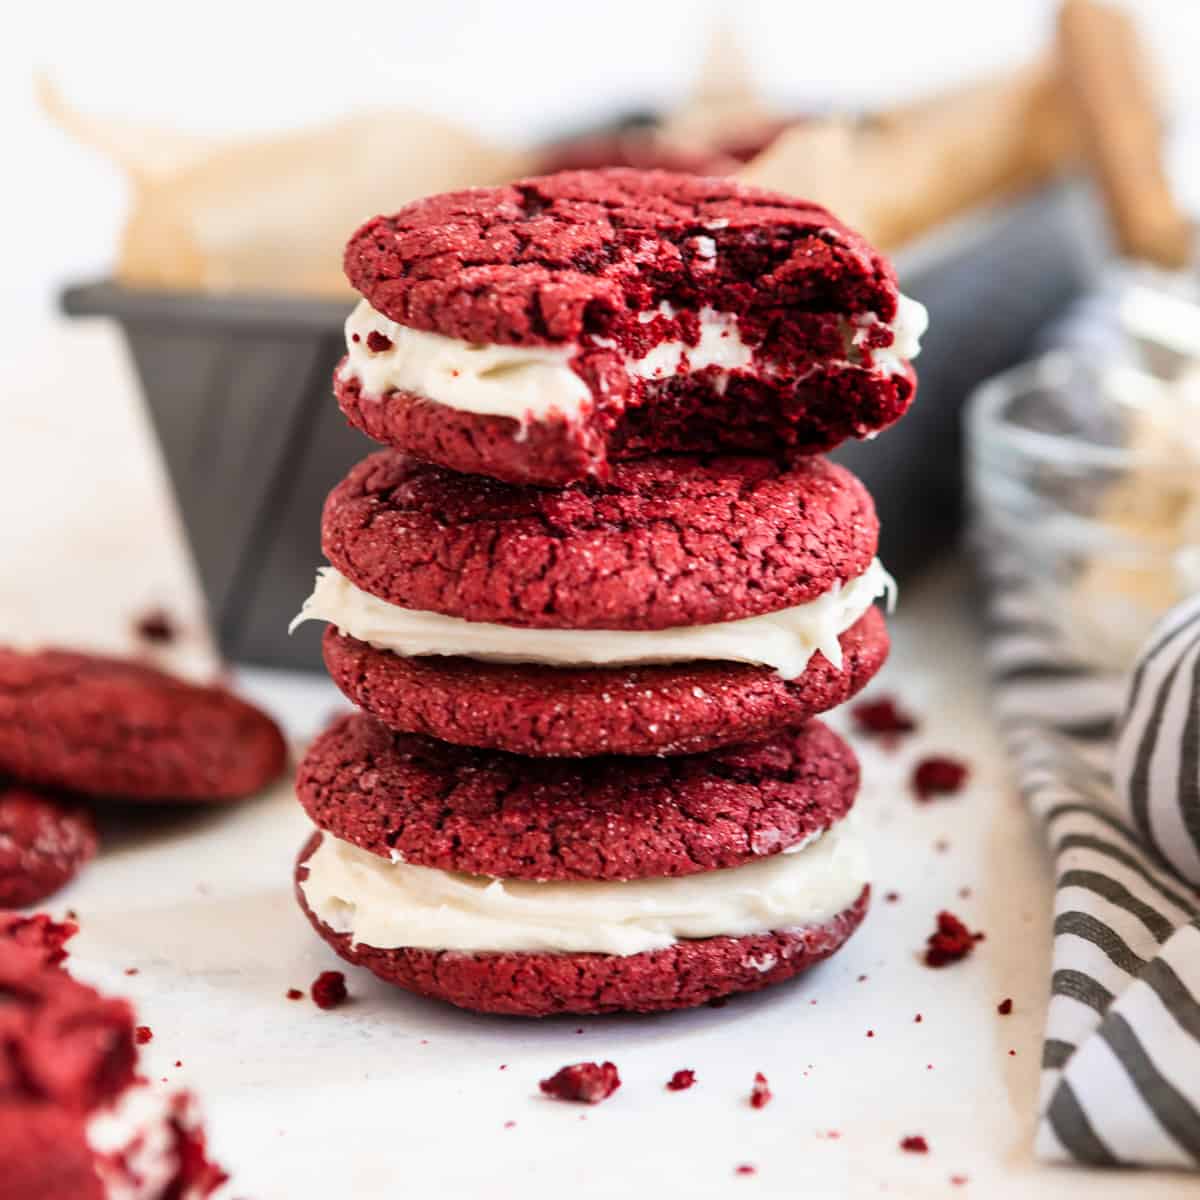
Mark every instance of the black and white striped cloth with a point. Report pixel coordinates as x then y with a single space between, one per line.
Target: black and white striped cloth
1121 1058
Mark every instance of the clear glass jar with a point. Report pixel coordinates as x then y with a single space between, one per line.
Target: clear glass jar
1090 474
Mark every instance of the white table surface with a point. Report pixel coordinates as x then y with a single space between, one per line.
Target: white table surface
393 1095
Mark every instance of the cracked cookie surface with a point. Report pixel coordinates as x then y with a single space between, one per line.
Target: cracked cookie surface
109 727
667 541
488 813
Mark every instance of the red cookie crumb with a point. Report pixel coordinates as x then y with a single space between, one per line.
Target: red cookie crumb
131 970
155 626
938 776
378 342
39 933
329 989
915 1144
745 1169
891 897
870 1033
681 1081
918 1019
958 1180
294 994
1004 1007
951 941
883 715
760 1093
143 1034
586 1082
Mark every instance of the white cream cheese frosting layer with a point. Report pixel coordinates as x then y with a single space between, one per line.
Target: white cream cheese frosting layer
392 904
785 640
529 383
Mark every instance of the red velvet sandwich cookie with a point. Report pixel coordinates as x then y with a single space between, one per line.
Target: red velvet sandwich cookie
538 331
76 1123
107 727
44 842
685 603
538 886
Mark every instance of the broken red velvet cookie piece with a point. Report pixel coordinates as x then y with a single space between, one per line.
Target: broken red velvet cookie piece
950 942
938 776
541 331
329 989
76 1122
585 1082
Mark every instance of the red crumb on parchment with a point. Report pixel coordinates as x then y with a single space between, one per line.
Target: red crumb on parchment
156 626
143 1034
760 1093
681 1081
329 989
914 1144
744 1169
586 1082
950 941
938 775
882 715
1004 1007
294 994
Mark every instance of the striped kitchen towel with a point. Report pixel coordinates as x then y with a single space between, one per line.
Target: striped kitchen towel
1121 1058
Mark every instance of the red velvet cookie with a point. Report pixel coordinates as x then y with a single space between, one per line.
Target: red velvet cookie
67 1065
666 541
536 985
43 843
696 313
489 813
564 712
107 727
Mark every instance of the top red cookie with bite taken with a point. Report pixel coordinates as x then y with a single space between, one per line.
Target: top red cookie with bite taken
536 331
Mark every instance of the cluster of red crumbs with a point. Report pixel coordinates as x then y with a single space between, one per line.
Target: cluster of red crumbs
586 1082
938 776
760 1093
915 1144
681 1081
882 716
329 989
950 942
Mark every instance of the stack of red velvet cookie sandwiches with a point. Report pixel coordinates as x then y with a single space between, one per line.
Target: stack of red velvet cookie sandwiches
593 598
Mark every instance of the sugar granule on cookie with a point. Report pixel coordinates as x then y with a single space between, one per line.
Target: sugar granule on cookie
329 990
681 1081
585 1082
938 775
760 1092
950 942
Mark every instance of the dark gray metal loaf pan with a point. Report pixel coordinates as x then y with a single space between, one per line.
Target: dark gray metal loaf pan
239 392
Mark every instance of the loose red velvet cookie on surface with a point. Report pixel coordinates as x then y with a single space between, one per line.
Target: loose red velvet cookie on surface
43 843
554 711
537 331
108 727
489 813
664 542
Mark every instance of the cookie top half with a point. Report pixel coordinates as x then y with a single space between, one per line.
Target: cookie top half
665 542
540 331
488 813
